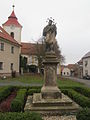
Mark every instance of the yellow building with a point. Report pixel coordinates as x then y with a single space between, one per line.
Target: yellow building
9 54
10 40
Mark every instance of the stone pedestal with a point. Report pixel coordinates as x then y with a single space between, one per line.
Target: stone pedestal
50 89
50 101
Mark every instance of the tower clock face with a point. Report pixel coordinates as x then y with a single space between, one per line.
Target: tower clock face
12 27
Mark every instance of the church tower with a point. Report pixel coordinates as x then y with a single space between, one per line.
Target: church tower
13 27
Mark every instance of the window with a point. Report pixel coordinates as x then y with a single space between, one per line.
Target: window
12 49
12 34
2 46
67 73
86 63
11 66
86 72
1 65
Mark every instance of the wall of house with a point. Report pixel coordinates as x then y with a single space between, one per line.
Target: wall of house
58 69
66 72
31 59
86 68
16 30
7 58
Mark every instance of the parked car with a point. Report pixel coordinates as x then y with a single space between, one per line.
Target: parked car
86 77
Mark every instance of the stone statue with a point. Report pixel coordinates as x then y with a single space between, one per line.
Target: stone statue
49 32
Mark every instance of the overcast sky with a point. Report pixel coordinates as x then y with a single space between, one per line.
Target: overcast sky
72 18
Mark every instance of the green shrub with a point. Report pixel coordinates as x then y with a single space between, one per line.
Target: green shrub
83 114
20 116
66 87
31 91
77 97
5 92
83 90
18 103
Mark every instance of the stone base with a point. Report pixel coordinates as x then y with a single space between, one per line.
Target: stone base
51 106
49 92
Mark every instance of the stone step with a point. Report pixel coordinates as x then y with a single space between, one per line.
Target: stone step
48 107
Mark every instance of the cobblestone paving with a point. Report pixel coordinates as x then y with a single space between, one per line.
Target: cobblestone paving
70 117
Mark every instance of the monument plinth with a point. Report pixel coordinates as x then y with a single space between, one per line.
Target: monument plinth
50 101
50 89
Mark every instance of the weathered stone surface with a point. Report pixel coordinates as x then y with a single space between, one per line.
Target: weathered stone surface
51 92
70 117
51 106
50 89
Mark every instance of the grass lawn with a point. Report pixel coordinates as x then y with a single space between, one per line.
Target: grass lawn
64 82
24 79
36 79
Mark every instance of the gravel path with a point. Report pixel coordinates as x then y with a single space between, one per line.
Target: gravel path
70 117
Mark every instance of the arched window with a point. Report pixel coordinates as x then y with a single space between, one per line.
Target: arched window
12 34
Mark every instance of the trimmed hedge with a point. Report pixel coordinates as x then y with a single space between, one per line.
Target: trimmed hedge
5 92
20 116
83 90
77 97
83 114
31 91
17 104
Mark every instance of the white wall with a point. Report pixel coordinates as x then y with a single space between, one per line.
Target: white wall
16 30
7 58
58 69
86 68
66 72
31 59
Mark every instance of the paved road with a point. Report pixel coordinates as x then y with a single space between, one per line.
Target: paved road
84 81
17 83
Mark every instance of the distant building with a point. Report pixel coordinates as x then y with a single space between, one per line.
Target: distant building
10 45
13 27
29 51
65 71
86 64
79 69
9 54
11 48
72 69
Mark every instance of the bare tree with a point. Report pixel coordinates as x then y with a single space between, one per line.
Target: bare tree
40 47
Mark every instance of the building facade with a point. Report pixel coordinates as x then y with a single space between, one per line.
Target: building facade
10 43
65 71
9 54
86 64
10 61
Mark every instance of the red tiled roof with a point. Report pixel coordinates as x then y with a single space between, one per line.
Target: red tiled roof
28 48
12 20
71 66
6 36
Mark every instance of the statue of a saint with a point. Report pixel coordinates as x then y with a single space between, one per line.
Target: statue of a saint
49 33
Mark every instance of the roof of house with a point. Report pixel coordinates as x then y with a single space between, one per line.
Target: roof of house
86 55
28 48
12 20
71 66
80 62
6 36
